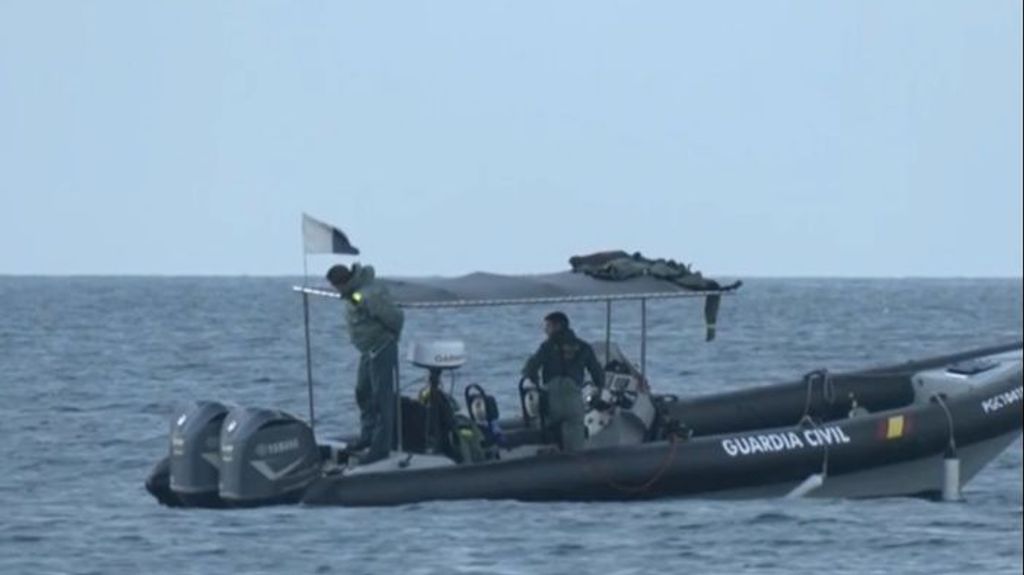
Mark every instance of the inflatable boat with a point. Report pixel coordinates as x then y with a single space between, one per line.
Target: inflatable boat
922 428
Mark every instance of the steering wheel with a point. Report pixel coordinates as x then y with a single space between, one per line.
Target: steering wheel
623 398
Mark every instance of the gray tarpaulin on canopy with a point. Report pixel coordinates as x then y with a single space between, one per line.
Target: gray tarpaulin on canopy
494 289
486 289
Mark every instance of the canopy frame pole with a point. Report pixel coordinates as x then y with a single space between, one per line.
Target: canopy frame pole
305 328
643 338
540 300
398 409
607 331
309 360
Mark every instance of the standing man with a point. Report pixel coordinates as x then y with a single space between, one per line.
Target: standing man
374 325
560 361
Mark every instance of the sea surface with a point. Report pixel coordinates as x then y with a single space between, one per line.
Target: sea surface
92 370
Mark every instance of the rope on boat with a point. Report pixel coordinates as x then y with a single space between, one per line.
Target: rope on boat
828 390
809 421
633 489
950 461
937 398
828 395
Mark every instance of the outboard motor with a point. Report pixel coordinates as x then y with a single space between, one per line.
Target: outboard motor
195 454
267 456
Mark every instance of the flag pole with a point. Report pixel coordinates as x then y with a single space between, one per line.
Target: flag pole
317 238
309 361
305 322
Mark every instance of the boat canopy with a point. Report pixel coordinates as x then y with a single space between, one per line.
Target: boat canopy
482 289
487 289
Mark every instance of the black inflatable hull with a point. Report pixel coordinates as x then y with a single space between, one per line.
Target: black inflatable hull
745 446
754 464
158 484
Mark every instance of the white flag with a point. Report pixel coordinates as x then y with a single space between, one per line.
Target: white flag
321 238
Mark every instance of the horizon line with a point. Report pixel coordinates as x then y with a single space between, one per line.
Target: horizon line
4 275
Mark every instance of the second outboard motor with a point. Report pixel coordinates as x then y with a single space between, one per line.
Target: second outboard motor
195 454
267 456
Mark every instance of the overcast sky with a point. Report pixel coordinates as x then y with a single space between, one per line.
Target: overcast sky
867 138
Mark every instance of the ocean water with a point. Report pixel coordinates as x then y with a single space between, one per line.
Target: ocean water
91 370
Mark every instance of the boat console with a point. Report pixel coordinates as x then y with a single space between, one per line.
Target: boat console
622 412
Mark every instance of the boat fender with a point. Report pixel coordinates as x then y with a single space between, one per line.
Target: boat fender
951 477
950 460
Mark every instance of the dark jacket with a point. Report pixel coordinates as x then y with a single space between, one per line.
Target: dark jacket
373 318
564 355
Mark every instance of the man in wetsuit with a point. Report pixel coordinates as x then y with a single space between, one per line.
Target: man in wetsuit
559 363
